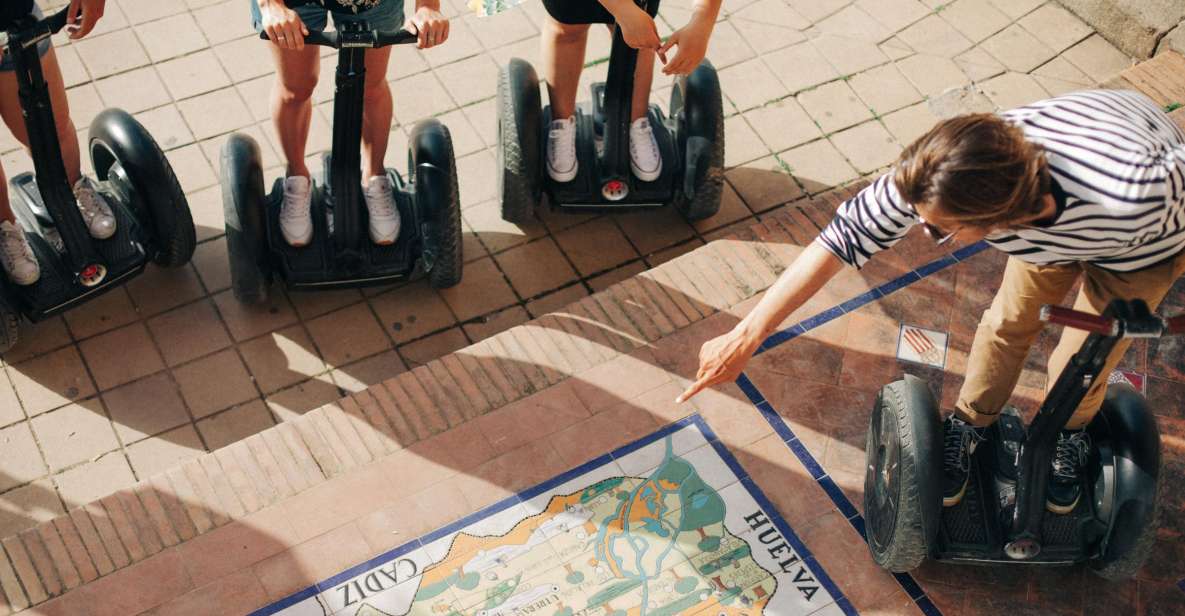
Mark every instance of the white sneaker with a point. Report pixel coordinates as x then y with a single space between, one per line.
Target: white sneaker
95 211
645 158
17 255
296 222
384 215
561 150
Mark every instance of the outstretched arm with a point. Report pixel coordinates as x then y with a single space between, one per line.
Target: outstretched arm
722 359
692 38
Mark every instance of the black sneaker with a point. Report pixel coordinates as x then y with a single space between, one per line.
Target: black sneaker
959 439
1065 474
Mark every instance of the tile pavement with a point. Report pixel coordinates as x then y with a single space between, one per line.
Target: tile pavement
171 366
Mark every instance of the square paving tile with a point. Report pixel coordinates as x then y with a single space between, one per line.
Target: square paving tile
743 143
189 332
976 19
784 124
483 289
750 84
223 21
424 350
894 14
134 91
834 106
1097 58
868 146
800 66
28 505
595 246
348 335
171 37
412 311
763 184
158 454
120 356
1017 49
374 369
145 407
1013 90
215 113
112 53
215 382
104 313
932 75
19 457
910 123
245 322
849 55
935 36
299 399
498 322
74 433
193 74
536 267
856 23
235 424
1055 26
884 89
282 358
818 165
496 234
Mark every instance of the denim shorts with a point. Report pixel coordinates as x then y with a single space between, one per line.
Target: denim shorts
388 15
6 65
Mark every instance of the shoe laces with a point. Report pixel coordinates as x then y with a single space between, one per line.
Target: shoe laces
640 134
296 205
12 243
380 197
563 136
957 439
90 203
1072 452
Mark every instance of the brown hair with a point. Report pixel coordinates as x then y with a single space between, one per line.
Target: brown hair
977 169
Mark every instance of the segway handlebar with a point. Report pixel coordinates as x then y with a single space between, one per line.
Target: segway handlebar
338 39
39 30
1152 326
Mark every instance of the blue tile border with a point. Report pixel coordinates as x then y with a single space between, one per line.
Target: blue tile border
694 420
1181 584
785 335
786 433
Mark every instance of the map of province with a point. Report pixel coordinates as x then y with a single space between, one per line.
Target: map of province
671 541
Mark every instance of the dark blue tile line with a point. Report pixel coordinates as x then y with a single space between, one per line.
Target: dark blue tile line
896 284
794 540
1181 584
523 496
827 484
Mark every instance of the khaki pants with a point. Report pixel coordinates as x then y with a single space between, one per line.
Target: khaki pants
1009 327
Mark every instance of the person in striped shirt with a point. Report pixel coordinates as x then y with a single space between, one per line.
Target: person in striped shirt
1087 185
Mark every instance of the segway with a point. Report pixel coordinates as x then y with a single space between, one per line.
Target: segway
691 141
152 217
1002 517
340 253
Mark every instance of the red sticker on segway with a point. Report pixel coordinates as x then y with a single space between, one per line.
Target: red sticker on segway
922 346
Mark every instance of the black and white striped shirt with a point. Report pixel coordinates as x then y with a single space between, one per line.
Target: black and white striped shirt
1117 161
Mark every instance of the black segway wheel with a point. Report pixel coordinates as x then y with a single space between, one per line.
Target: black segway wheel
698 106
122 149
1126 430
10 323
438 197
902 496
519 141
243 207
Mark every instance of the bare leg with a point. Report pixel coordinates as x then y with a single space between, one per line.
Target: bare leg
6 214
643 76
563 61
10 110
292 106
377 113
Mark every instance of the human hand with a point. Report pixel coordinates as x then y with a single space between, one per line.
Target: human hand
431 25
722 359
91 10
637 27
283 25
692 41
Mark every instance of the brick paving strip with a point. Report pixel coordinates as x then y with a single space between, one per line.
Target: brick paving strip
167 537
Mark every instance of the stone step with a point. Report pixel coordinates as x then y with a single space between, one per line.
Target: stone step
1162 78
351 436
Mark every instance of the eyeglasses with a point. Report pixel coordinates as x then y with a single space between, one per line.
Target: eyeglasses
937 234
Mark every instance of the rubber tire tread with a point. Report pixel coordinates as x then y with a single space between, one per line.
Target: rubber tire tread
520 194
10 326
175 242
1127 566
446 273
710 189
908 548
249 282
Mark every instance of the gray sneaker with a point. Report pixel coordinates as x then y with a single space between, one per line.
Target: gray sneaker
16 255
100 222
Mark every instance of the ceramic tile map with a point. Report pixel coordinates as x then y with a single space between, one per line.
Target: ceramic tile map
671 527
485 8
